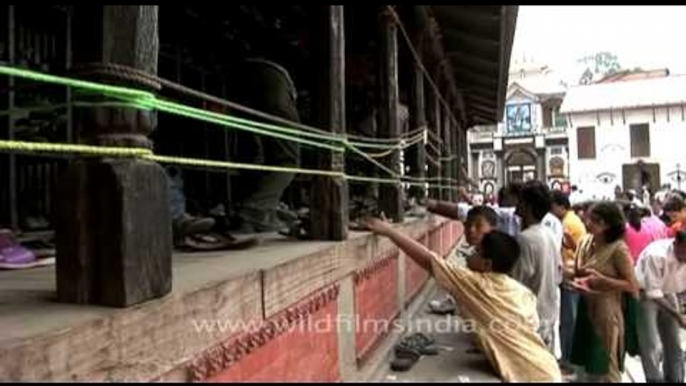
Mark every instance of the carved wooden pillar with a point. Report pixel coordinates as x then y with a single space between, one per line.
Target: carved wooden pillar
390 195
330 194
114 238
416 155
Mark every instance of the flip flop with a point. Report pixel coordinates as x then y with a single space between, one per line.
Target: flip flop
214 242
405 363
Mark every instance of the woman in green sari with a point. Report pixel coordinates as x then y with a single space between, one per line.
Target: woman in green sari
604 275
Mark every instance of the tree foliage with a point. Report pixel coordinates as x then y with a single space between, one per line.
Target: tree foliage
599 65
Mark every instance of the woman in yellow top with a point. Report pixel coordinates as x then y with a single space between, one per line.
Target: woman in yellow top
604 274
503 310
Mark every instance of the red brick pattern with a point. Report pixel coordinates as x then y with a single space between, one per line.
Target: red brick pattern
299 344
375 304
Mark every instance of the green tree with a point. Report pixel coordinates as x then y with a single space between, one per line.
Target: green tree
599 65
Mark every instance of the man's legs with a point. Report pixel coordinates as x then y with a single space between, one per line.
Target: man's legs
182 223
569 302
258 211
673 358
648 340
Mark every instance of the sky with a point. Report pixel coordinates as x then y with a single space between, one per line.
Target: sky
645 36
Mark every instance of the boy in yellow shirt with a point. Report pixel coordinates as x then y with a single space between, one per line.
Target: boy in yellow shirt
503 310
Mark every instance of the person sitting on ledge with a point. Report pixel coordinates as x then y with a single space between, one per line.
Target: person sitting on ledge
505 315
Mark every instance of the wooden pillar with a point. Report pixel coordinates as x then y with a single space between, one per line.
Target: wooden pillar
416 155
439 133
447 170
456 162
462 161
330 194
433 168
114 238
390 195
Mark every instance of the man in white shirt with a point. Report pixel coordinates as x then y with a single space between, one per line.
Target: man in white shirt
539 264
554 224
661 274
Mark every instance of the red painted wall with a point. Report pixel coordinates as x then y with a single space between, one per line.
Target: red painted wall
376 289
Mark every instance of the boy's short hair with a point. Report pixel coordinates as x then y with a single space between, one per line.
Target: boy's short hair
674 204
502 249
485 212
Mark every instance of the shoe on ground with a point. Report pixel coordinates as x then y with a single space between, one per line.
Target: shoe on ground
404 363
443 307
415 344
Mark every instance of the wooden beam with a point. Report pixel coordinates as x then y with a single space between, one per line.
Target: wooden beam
458 55
465 61
447 171
113 233
467 77
480 99
465 39
330 203
416 154
390 195
475 23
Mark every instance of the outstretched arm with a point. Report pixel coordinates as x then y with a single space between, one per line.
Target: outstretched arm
444 208
416 251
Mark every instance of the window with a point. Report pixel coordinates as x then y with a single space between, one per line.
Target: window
560 120
585 142
640 140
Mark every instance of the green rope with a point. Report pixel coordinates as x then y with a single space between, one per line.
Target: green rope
145 100
92 86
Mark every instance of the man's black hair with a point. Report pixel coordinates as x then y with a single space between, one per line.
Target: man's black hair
560 198
485 212
536 196
511 190
501 249
674 204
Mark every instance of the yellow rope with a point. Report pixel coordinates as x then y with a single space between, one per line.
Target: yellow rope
102 151
35 147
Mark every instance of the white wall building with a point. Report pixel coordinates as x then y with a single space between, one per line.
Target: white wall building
627 133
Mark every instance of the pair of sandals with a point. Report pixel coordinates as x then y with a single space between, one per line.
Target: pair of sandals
197 235
410 349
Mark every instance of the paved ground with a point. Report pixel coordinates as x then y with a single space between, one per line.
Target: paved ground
453 363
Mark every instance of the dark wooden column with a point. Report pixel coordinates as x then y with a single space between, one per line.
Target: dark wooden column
416 155
461 162
433 168
330 194
447 169
390 195
114 239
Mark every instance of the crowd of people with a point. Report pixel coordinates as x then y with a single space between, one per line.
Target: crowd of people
599 279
